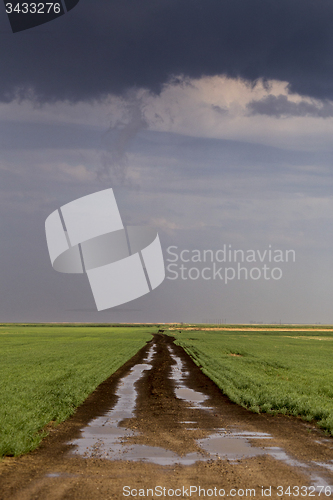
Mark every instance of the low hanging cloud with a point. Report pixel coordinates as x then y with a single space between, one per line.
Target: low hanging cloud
280 106
208 107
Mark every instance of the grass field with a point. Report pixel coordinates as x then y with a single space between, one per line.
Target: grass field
46 371
289 372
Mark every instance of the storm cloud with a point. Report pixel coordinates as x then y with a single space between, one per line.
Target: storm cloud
279 106
93 51
212 120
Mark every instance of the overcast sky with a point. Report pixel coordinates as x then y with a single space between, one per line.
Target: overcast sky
212 120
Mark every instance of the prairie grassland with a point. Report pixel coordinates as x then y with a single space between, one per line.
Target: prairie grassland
289 372
47 371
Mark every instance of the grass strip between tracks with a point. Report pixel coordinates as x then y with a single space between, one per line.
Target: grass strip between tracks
275 372
47 371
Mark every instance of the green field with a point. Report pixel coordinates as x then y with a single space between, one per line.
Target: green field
46 371
289 372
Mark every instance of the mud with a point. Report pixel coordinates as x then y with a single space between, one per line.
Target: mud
158 422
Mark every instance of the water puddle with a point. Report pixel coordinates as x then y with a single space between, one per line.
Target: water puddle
105 437
60 474
328 466
190 395
179 376
229 446
252 435
280 454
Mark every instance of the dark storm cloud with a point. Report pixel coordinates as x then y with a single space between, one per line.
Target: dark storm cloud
111 45
280 106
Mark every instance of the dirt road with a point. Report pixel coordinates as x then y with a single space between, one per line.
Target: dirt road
159 428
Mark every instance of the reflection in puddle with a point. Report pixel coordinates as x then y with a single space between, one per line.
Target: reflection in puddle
104 438
190 395
328 466
60 474
249 435
229 446
279 454
178 374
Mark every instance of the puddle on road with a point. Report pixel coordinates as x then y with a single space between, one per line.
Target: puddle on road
228 446
60 475
104 438
328 466
190 395
181 389
179 375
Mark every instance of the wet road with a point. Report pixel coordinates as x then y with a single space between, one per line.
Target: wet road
159 420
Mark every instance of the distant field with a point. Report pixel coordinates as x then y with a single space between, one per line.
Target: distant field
46 371
288 372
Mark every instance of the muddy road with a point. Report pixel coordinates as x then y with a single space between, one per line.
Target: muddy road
159 428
